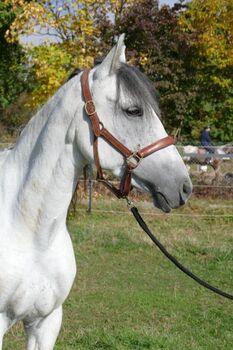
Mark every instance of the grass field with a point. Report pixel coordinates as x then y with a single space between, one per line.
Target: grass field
128 296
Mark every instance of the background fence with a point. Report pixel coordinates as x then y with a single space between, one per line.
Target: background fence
211 175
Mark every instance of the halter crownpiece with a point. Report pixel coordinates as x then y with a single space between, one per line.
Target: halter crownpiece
132 158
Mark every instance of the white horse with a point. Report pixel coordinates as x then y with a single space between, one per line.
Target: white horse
38 177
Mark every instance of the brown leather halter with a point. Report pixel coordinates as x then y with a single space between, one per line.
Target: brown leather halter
132 158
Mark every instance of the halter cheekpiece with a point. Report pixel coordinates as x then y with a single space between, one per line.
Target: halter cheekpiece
132 158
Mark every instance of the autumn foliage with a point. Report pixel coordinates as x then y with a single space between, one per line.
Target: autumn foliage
187 52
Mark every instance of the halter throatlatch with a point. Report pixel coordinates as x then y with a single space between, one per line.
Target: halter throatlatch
132 159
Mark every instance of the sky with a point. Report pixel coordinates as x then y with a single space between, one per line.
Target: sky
167 2
37 40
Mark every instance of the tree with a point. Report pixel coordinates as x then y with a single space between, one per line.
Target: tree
13 70
157 45
210 22
70 35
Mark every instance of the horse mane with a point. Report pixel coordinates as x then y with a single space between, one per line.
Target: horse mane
73 74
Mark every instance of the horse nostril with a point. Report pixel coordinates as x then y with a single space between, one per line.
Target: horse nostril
185 190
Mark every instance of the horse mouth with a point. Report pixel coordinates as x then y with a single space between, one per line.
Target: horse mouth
160 202
159 199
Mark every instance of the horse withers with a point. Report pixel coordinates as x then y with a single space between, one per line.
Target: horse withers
39 175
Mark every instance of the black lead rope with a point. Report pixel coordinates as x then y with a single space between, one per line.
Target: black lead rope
203 283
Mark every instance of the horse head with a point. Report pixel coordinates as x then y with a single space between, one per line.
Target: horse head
126 104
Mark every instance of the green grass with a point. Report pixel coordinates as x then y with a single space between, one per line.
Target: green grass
128 296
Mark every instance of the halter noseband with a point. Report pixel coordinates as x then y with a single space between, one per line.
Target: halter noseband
132 158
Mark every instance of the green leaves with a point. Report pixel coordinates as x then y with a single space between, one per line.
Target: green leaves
69 40
210 24
186 51
50 64
12 57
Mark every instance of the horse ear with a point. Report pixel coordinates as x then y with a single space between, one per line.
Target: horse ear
113 60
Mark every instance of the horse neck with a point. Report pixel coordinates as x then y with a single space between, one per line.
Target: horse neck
44 166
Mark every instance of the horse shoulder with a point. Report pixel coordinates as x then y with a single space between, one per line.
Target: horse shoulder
35 279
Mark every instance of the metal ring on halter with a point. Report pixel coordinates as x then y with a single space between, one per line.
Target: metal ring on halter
102 125
133 160
90 107
130 203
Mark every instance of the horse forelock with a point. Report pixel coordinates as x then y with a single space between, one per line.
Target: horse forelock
138 87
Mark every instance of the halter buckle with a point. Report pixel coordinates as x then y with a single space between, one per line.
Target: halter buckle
133 160
90 107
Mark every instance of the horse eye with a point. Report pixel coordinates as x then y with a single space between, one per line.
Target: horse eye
134 111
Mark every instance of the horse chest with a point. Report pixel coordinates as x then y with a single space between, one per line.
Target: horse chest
34 282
